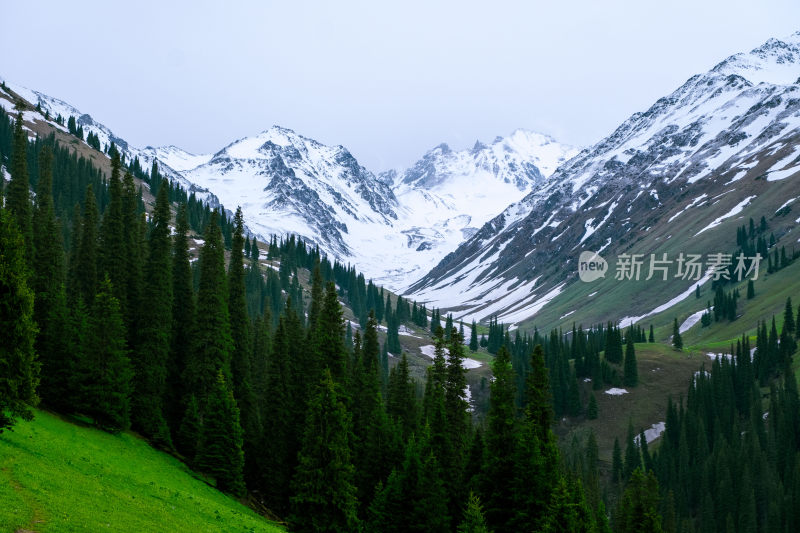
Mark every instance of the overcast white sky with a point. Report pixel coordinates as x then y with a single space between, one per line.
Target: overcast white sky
388 80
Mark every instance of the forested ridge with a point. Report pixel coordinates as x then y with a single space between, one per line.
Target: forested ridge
258 382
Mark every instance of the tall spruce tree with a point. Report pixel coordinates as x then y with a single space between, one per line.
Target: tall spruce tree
456 405
401 401
183 316
219 452
474 521
638 507
279 420
631 372
73 288
134 254
324 494
86 262
212 339
501 444
242 346
633 459
153 350
105 369
373 444
473 337
677 341
48 263
18 196
568 510
537 456
112 252
50 307
329 336
413 498
616 463
19 370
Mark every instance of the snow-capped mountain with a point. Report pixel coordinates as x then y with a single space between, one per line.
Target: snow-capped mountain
176 158
447 195
290 184
725 144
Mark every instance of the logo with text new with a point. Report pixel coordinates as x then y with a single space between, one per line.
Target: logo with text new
591 266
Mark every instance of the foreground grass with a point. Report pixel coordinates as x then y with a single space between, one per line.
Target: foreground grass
61 477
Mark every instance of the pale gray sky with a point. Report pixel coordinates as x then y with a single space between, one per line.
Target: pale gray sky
388 80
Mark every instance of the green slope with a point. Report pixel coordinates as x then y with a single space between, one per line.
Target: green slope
663 372
58 476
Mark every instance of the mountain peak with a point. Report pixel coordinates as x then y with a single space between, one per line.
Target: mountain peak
777 61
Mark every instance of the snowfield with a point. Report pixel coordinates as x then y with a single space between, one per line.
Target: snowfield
428 350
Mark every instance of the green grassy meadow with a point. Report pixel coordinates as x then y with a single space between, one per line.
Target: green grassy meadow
57 476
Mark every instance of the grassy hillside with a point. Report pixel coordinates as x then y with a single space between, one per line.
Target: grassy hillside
663 372
58 476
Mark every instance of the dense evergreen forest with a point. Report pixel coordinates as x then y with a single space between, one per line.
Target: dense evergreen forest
228 362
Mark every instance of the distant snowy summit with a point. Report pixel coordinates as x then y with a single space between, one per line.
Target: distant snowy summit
776 61
176 158
290 184
523 159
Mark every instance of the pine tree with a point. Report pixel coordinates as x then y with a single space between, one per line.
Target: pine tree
372 444
153 352
183 316
591 410
19 370
473 338
647 459
219 451
188 433
254 252
788 317
458 419
18 196
632 458
329 336
73 289
616 463
631 376
212 339
413 498
652 336
473 522
751 290
86 261
567 510
501 442
677 341
537 457
242 343
401 402
134 247
613 345
112 252
105 369
638 507
50 307
324 495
